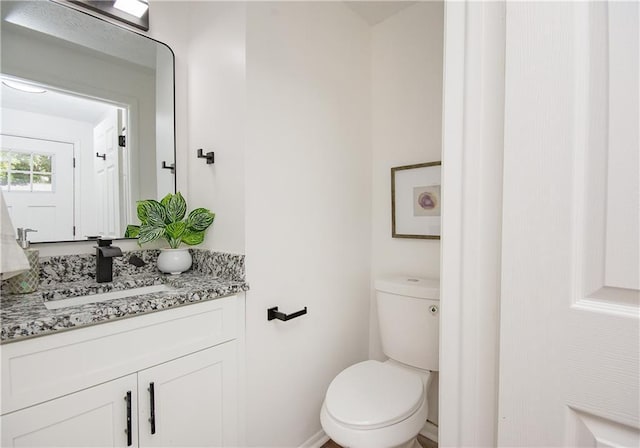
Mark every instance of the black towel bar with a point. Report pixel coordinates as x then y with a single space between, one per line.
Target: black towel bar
273 313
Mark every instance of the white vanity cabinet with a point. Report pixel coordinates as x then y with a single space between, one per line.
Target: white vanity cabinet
95 417
194 400
178 368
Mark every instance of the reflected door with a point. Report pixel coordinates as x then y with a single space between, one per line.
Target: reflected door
107 172
36 177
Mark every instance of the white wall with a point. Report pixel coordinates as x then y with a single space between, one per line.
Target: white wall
406 129
216 111
291 182
308 166
208 39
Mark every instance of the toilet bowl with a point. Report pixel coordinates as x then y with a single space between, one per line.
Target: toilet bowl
376 405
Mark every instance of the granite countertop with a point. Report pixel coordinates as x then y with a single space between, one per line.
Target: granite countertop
25 315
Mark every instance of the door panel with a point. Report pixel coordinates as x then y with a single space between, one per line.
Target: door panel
95 417
569 336
195 400
107 172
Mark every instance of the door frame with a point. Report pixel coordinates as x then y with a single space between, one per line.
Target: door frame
473 143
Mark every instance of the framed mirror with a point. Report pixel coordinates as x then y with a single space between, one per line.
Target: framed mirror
88 125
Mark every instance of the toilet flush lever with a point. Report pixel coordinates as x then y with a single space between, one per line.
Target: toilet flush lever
433 309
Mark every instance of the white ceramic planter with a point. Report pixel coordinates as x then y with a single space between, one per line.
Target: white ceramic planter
174 261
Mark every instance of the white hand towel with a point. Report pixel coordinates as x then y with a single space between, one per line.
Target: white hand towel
13 260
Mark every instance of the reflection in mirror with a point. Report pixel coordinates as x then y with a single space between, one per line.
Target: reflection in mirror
87 121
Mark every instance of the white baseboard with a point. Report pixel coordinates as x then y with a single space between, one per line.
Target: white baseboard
316 440
430 431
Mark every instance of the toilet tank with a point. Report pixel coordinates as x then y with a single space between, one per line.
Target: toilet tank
409 319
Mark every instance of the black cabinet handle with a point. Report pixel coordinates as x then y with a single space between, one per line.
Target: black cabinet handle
152 406
128 430
273 313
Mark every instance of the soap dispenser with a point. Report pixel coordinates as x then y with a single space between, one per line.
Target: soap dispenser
30 280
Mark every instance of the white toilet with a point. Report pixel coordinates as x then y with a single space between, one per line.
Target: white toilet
376 404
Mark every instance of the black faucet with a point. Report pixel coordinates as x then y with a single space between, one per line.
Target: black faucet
105 253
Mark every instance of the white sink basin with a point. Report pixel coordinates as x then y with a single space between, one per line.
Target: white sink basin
103 297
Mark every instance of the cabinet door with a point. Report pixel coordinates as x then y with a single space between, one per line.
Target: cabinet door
194 400
94 417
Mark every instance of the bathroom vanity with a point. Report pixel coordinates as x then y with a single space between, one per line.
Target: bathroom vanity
155 369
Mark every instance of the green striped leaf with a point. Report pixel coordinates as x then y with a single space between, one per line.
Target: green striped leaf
149 233
151 212
176 229
132 231
200 219
165 200
176 208
192 238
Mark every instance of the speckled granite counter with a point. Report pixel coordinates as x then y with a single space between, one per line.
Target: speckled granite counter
213 275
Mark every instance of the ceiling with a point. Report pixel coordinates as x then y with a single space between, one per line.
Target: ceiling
54 103
374 12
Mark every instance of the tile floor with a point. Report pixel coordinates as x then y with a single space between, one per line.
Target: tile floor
426 443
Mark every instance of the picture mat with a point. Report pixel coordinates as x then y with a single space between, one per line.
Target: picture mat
405 181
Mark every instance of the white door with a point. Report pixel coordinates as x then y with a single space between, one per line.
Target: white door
194 400
107 176
569 333
36 178
95 417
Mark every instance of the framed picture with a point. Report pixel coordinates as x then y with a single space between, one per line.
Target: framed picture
416 201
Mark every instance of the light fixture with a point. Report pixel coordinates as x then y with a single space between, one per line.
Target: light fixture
23 87
134 7
132 12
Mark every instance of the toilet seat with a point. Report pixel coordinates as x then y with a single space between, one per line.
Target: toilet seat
372 395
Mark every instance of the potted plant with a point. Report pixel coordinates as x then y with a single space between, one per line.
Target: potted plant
168 219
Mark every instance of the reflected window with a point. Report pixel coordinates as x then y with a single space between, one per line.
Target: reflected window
26 171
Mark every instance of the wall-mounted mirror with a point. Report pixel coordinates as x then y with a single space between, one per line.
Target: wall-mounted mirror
87 123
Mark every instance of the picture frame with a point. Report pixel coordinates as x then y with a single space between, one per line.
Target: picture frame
416 201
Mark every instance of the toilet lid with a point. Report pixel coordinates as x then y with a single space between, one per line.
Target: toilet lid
372 394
